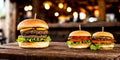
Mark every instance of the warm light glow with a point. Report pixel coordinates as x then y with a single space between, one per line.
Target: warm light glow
96 7
108 5
96 13
82 10
75 16
90 8
29 14
69 9
92 19
119 10
47 7
60 5
110 17
27 8
56 14
63 18
82 15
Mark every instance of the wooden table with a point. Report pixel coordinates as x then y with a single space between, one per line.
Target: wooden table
56 51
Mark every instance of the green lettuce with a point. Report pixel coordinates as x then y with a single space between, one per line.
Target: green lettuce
98 46
75 43
21 39
95 47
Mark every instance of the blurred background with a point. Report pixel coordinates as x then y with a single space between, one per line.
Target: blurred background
62 16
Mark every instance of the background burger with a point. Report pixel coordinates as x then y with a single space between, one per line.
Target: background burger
34 34
79 39
102 41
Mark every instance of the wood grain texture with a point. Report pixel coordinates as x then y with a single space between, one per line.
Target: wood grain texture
56 51
102 10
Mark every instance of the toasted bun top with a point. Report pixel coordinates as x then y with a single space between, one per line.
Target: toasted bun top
32 23
97 34
80 33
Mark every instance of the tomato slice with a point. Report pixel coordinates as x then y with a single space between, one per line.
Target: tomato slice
75 40
103 41
79 38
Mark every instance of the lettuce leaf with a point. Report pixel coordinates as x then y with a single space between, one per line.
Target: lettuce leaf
70 43
48 39
93 47
98 46
21 39
75 43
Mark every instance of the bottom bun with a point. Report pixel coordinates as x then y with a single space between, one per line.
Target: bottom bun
33 44
107 47
79 46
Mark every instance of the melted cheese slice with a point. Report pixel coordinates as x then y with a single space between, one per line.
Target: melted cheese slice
25 29
41 29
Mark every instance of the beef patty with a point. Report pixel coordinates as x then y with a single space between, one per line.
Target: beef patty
34 32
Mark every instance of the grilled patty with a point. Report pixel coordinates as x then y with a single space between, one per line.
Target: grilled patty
34 32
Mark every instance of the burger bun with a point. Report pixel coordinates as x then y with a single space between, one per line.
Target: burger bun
33 44
80 33
79 46
97 34
28 23
104 47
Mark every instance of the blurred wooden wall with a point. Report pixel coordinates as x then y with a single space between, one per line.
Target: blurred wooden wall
10 22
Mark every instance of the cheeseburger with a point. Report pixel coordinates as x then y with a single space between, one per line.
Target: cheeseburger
102 41
34 34
79 39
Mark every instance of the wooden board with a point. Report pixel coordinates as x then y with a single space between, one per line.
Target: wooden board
57 50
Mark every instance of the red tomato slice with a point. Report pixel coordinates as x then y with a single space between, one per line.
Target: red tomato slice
79 38
75 40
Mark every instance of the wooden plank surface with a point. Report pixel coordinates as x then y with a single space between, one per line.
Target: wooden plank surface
58 50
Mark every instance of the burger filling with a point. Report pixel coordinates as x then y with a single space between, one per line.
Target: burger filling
101 41
34 35
34 32
74 40
36 39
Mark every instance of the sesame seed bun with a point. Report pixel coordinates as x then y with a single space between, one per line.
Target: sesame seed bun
28 23
80 33
97 34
